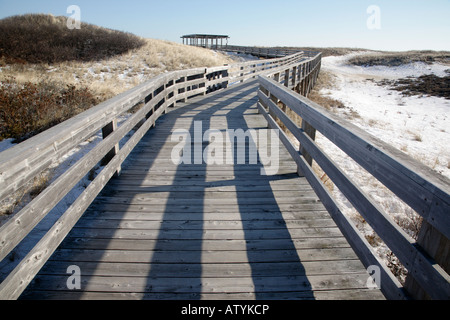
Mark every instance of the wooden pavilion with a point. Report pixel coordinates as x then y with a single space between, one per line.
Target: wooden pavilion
205 40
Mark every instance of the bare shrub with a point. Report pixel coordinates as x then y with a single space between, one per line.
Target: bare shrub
39 38
430 85
27 109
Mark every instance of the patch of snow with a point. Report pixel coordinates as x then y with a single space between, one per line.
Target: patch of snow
339 64
52 69
91 71
417 125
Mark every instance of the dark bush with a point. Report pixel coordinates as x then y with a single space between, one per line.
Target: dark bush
395 59
428 84
37 38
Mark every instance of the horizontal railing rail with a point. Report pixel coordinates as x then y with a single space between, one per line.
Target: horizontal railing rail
247 70
423 190
260 51
21 164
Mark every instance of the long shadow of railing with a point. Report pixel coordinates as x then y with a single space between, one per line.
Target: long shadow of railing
268 282
190 237
190 255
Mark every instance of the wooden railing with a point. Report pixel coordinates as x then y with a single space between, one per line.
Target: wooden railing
284 83
425 191
260 51
22 163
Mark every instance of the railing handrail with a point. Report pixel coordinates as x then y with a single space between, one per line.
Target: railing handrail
424 190
261 51
21 163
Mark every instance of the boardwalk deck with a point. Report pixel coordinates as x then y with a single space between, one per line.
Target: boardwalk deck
166 231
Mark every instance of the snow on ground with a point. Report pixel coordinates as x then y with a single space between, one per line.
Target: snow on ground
339 64
418 126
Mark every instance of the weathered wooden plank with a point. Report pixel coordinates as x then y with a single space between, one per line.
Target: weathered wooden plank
184 225
168 234
74 242
138 186
349 294
209 270
290 178
221 214
220 197
144 200
111 208
274 256
212 285
203 173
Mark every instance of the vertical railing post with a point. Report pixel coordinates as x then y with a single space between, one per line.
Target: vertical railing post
106 131
311 132
294 76
286 78
167 95
303 81
206 81
276 78
307 128
437 246
226 77
183 90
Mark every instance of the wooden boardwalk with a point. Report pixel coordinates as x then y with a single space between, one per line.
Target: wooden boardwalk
166 231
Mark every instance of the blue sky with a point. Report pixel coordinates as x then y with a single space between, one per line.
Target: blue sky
404 24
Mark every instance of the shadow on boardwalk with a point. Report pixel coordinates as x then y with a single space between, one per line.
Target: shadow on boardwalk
156 232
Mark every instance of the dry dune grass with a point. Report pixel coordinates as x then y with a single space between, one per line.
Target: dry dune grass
324 82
